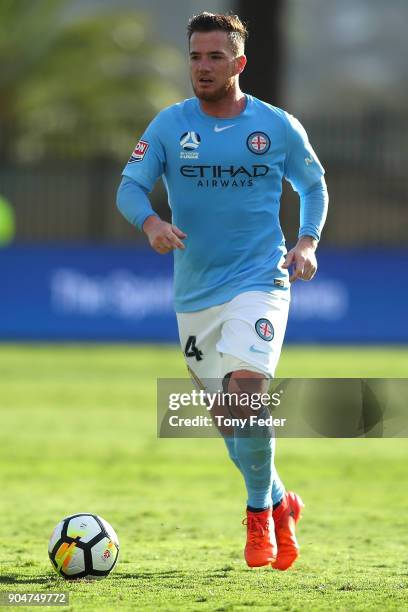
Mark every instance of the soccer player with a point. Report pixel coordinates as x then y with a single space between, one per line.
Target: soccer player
222 155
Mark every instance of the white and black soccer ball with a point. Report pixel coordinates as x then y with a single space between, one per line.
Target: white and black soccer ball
83 546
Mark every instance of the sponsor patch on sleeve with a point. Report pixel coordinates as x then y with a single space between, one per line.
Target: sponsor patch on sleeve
139 152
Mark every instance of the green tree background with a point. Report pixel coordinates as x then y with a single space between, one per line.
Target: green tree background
76 83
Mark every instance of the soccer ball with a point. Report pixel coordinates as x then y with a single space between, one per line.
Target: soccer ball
83 546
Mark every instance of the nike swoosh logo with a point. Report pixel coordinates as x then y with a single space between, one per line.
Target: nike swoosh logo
255 350
221 129
256 468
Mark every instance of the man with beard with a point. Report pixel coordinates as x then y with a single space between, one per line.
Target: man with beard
222 156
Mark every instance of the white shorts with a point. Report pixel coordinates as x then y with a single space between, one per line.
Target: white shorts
244 334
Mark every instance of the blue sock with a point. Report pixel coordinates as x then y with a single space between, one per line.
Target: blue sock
255 456
254 448
278 489
277 486
230 443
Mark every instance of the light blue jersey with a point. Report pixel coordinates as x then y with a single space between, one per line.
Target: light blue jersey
224 183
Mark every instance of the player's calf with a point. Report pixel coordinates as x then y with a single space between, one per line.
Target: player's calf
254 454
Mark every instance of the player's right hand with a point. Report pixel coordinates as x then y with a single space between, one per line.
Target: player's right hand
163 236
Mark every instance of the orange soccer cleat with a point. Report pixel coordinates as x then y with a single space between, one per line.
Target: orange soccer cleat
260 547
285 518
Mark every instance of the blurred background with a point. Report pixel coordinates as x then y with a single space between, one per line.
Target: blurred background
80 80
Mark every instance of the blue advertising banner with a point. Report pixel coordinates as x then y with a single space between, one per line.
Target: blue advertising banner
125 294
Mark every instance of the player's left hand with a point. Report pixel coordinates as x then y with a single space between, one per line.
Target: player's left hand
303 259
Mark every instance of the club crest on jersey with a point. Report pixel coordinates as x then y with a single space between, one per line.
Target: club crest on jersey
139 152
258 143
189 142
264 329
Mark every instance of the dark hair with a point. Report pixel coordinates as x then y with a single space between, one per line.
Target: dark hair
208 22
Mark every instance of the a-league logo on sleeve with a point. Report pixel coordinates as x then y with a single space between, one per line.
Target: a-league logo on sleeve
139 152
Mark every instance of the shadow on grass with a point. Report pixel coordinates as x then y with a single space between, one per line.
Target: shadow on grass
220 573
10 579
117 577
159 574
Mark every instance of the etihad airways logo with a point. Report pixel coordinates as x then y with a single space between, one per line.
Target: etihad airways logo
224 176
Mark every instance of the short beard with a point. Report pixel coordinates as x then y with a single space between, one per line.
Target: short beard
217 95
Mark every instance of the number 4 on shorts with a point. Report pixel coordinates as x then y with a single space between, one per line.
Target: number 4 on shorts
191 350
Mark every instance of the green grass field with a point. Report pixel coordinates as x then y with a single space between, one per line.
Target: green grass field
78 433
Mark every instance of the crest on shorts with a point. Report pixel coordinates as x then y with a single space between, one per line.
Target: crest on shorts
258 142
139 152
264 329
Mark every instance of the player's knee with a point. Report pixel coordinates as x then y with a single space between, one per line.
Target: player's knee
244 388
248 382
